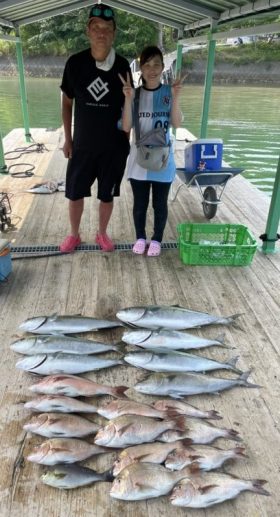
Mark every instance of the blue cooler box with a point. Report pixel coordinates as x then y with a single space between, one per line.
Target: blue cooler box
5 259
204 154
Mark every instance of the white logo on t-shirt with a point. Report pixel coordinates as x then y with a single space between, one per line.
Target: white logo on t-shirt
98 89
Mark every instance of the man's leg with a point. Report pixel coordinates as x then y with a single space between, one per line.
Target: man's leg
76 209
75 213
105 212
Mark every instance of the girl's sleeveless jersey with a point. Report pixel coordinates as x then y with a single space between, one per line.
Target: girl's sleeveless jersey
154 111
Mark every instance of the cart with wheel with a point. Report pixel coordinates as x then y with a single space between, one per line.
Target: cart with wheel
210 183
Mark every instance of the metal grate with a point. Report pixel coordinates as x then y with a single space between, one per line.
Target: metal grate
48 251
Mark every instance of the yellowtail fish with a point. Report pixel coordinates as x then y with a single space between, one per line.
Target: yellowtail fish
169 317
56 324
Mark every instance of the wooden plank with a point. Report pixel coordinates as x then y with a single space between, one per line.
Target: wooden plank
99 284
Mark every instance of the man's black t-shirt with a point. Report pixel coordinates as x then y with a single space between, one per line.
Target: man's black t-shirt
98 99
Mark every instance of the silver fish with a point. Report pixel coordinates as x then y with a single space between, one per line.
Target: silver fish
169 339
207 489
56 324
50 344
59 404
74 386
63 450
145 480
47 364
134 429
155 452
73 476
183 384
199 431
183 408
177 318
208 458
177 362
60 425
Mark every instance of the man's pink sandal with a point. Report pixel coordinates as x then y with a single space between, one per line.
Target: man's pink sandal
104 242
69 244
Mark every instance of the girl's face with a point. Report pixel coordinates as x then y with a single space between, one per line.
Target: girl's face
151 72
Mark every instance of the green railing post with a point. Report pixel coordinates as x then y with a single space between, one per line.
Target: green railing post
178 67
273 216
3 166
207 86
23 95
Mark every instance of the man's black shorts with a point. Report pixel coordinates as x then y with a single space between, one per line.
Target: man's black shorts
107 166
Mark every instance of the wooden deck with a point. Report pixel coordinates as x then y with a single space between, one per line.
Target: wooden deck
98 284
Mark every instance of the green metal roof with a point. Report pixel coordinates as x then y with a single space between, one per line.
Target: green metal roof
182 14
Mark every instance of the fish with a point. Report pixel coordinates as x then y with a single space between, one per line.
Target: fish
141 481
56 324
60 425
63 450
171 317
117 408
48 187
199 431
50 344
134 429
208 489
155 452
169 339
183 384
178 362
59 404
208 458
73 476
74 386
47 364
183 408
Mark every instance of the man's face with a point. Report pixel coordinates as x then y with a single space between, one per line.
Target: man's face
101 34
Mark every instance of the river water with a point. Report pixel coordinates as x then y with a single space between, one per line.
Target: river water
246 118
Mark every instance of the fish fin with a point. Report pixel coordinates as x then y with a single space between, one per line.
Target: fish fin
171 413
240 451
258 486
180 424
214 415
244 378
119 392
185 443
233 435
194 468
204 489
108 475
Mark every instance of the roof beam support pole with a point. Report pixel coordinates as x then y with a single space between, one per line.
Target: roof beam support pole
207 85
270 237
3 166
23 95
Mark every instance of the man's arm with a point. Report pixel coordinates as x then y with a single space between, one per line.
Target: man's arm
67 109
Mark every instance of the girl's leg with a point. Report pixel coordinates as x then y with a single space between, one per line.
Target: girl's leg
141 195
160 196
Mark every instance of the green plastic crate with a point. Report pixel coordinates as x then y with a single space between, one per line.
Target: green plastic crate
215 244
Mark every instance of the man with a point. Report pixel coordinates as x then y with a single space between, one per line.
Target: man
98 149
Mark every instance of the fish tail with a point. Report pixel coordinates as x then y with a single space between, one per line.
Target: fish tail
257 487
171 413
243 380
213 415
108 475
233 435
179 423
240 451
119 392
232 363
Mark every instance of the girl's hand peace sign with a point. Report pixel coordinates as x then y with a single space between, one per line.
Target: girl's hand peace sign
128 90
177 86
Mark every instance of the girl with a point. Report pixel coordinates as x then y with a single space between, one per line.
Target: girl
158 107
